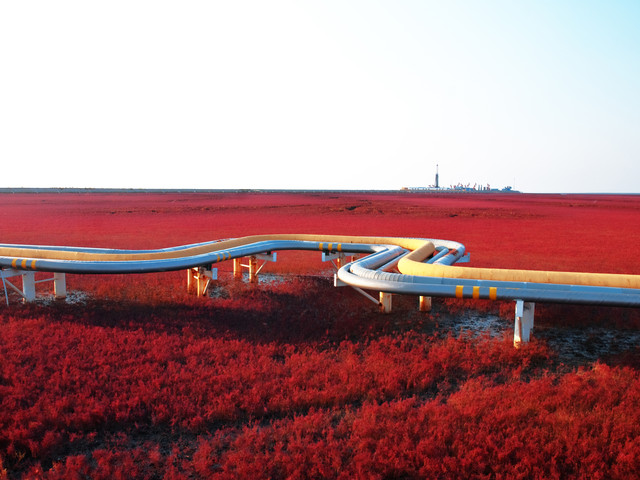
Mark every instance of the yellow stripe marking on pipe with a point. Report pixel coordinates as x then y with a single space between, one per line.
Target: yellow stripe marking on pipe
459 289
14 262
493 293
339 247
24 263
320 246
330 246
476 292
33 264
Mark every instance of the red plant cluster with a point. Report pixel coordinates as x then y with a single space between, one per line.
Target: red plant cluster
297 379
584 426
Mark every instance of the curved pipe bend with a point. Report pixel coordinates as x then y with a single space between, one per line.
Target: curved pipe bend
437 277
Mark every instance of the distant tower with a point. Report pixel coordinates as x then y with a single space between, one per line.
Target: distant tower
437 186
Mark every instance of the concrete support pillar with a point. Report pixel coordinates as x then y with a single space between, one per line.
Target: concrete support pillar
59 285
29 286
191 282
425 304
524 322
253 269
237 268
385 302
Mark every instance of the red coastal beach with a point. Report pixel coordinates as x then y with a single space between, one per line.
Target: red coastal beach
293 378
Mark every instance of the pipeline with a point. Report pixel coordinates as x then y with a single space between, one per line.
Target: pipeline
427 267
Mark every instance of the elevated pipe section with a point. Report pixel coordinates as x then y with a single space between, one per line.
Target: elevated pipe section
428 270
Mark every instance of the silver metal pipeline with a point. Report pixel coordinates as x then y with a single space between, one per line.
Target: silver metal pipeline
160 264
365 273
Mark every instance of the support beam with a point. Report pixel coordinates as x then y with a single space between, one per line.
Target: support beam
385 302
523 323
252 265
198 279
425 304
341 258
192 281
4 289
253 269
59 285
28 290
237 268
29 286
384 299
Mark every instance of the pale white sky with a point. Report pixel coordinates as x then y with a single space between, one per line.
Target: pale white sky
320 94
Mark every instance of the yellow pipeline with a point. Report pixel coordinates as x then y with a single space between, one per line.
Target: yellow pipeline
329 242
412 264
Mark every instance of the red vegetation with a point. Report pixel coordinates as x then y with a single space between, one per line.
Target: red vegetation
298 379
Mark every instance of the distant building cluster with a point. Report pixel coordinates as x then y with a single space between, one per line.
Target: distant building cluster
459 187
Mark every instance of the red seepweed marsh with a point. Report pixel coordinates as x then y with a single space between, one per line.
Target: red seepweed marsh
298 379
